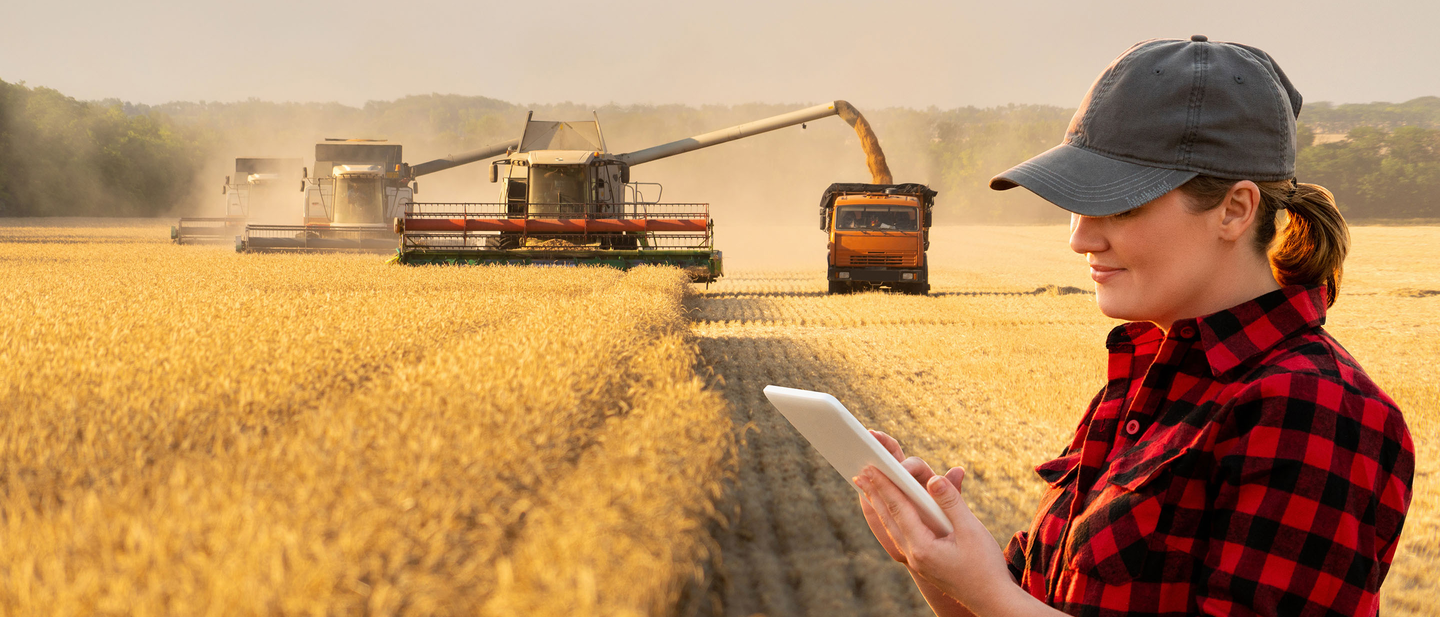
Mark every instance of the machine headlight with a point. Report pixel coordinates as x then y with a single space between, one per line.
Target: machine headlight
909 276
844 275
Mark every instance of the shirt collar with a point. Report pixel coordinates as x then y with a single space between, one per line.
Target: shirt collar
1134 335
1233 336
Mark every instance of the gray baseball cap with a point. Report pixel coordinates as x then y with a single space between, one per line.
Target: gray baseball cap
1165 111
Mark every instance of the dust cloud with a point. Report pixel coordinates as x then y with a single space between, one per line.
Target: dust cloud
763 191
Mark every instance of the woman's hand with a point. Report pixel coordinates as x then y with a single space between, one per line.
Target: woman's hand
917 468
966 565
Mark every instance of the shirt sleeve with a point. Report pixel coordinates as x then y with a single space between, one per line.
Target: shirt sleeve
1015 555
1312 485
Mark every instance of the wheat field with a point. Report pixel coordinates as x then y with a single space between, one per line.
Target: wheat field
193 432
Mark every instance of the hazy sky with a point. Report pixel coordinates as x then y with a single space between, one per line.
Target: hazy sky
897 53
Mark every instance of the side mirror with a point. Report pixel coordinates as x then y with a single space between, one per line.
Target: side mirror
494 173
302 186
415 188
225 189
929 218
824 221
304 173
625 174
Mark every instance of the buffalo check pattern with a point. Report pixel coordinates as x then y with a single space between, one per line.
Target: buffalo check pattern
1240 464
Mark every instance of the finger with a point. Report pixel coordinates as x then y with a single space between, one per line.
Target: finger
947 496
877 527
919 469
871 497
899 514
890 444
956 475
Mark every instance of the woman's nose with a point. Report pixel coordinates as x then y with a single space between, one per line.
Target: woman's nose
1085 235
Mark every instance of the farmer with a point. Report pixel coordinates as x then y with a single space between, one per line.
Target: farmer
1237 461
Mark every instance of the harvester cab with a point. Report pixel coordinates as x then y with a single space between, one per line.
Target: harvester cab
357 182
566 200
561 169
358 187
261 187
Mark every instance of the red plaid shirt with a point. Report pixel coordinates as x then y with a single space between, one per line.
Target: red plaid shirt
1243 464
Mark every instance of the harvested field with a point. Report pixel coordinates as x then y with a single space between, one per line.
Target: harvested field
190 431
992 372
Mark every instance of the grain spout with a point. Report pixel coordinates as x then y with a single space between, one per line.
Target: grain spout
874 156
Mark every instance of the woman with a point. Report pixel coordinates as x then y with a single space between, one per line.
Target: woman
1238 461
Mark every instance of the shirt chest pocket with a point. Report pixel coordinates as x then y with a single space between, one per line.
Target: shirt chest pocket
1141 524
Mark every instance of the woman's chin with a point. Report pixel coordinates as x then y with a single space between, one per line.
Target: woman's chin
1117 305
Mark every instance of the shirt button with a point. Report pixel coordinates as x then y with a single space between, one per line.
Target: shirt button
1132 427
1187 332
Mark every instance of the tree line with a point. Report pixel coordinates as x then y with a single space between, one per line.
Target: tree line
61 156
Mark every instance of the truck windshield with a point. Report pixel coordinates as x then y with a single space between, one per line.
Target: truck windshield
554 185
876 218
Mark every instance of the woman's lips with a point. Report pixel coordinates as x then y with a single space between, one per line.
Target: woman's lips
1100 274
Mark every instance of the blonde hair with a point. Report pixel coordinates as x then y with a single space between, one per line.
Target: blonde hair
1312 245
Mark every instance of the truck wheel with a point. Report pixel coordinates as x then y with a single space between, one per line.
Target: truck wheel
914 289
839 287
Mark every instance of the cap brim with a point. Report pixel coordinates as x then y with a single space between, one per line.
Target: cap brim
1090 184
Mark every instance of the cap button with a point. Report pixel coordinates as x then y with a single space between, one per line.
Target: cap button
1199 38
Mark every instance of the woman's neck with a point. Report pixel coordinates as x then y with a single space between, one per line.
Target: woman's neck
1251 279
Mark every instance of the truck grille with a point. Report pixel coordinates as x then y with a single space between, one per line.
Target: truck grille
906 259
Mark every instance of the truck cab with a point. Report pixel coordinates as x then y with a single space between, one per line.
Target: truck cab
878 236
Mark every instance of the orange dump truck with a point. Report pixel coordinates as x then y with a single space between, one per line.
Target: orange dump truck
878 236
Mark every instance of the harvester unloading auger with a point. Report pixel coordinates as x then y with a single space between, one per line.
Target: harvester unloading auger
566 200
358 188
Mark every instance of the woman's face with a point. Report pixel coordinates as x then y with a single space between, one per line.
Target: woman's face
1152 263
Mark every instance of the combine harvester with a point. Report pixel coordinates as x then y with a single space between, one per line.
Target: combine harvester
359 186
566 200
257 188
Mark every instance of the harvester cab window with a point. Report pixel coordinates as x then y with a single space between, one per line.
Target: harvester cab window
877 218
554 185
359 200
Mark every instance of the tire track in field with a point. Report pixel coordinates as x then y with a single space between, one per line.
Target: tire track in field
797 543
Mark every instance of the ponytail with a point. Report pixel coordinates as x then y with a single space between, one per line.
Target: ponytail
1313 242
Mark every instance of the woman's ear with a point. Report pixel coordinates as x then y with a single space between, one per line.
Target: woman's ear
1237 211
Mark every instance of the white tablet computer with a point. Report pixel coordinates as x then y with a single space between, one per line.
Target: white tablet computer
849 447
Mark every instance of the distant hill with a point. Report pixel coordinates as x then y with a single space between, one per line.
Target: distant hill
60 156
1323 117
